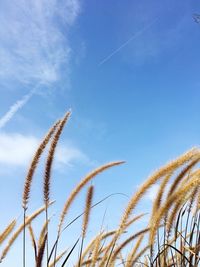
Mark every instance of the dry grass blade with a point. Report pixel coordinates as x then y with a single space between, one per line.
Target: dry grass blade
7 231
41 252
58 258
19 230
88 262
162 253
131 255
182 175
173 214
43 233
54 247
69 254
169 168
191 251
122 259
95 252
126 242
176 242
170 201
157 201
87 209
92 246
134 219
135 259
83 182
33 240
88 205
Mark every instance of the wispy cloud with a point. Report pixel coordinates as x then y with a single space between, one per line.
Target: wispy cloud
34 43
34 38
134 36
160 39
18 149
68 155
14 108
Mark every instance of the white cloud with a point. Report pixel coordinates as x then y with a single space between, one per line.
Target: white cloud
34 43
34 39
68 154
13 109
152 192
17 149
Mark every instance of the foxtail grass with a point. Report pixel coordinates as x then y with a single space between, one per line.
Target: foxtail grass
7 231
169 235
88 205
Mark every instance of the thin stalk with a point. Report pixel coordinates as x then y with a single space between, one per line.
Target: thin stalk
47 232
81 251
24 239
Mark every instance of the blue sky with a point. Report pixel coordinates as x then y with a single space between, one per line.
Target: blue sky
128 69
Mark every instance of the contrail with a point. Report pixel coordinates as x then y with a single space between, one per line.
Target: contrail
15 107
140 32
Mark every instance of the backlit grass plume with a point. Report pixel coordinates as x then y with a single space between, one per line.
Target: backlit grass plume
50 157
7 231
33 166
167 235
78 188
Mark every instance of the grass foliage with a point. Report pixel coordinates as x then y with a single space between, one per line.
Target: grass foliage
170 238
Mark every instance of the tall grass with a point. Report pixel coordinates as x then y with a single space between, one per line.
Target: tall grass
171 236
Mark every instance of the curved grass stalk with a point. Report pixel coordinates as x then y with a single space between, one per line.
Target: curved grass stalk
88 205
83 182
170 201
19 230
7 231
125 243
170 167
48 168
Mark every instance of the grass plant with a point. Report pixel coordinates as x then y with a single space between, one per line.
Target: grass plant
171 236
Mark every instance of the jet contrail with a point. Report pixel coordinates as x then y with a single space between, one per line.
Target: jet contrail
128 41
15 107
